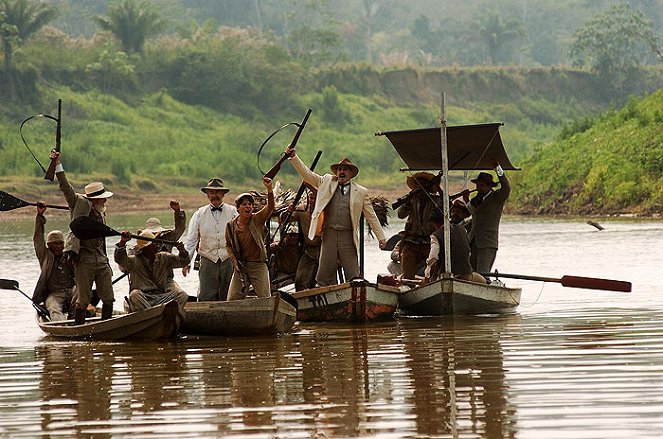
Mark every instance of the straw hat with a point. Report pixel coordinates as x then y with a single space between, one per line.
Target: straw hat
486 178
215 184
95 190
55 236
142 243
345 162
153 225
419 179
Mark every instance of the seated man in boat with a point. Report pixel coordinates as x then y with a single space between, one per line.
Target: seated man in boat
149 271
56 282
417 208
307 267
460 252
245 244
486 209
91 265
460 214
338 208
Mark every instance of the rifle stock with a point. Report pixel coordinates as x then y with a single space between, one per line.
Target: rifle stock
275 169
50 172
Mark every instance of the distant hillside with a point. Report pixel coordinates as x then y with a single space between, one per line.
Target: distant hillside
614 166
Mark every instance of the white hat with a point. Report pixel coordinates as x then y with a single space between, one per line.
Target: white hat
154 225
96 190
55 236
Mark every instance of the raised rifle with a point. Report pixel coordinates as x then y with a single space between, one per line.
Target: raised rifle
50 172
300 127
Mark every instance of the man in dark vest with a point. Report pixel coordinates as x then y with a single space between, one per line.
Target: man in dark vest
486 209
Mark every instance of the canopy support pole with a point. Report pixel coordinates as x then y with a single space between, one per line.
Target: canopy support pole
445 184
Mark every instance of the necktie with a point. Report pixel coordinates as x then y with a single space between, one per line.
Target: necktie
217 209
344 188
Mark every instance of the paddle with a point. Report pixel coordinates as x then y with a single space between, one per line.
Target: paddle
8 284
391 242
10 202
591 283
94 297
85 227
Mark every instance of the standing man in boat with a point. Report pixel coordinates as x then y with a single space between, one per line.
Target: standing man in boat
55 286
338 208
307 267
417 208
245 244
207 235
149 272
89 256
486 209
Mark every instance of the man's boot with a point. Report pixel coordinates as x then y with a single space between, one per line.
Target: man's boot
79 316
106 311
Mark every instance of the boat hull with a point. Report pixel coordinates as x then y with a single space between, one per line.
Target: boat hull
357 301
156 323
458 297
269 315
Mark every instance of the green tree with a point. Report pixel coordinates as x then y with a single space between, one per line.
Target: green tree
613 45
132 23
20 19
496 33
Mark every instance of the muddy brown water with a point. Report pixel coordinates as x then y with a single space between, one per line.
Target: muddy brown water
569 363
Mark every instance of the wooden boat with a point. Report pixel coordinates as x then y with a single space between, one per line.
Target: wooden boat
159 322
269 315
354 301
449 296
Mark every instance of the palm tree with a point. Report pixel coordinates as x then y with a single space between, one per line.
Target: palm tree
495 33
132 23
19 19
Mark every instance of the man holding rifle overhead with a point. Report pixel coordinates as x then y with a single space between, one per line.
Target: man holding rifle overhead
89 256
338 208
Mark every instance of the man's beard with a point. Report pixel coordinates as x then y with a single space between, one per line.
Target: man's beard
101 208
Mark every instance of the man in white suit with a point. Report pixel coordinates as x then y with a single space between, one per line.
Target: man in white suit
338 208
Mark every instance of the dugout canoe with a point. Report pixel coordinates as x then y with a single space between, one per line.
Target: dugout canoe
156 323
354 301
268 315
450 296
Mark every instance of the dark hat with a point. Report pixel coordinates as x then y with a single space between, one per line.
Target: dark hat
241 197
486 178
345 162
215 184
419 179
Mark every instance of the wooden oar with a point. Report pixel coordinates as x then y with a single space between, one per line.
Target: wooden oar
8 284
85 227
391 242
591 283
10 202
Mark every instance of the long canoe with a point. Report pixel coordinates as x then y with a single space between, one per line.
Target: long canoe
159 322
269 315
451 296
355 301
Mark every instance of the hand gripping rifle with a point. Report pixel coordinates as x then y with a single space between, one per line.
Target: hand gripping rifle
275 169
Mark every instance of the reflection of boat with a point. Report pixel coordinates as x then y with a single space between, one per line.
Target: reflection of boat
449 296
269 315
357 301
159 322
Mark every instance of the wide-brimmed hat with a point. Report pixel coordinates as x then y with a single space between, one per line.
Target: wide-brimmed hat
486 178
243 195
419 179
461 205
95 190
345 162
55 236
142 243
215 184
153 225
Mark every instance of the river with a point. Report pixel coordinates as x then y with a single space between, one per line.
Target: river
570 363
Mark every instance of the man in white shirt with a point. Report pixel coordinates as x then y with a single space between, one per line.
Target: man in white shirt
207 235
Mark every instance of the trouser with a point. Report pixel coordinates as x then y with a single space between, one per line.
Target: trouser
56 302
214 279
140 300
256 274
413 258
483 258
337 246
307 268
93 268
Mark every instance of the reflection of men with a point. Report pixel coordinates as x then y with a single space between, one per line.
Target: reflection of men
486 208
307 268
338 208
90 261
418 228
207 234
149 270
56 280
